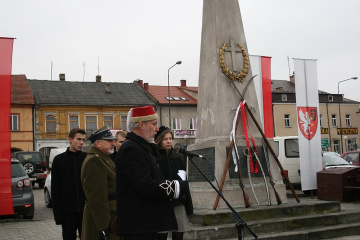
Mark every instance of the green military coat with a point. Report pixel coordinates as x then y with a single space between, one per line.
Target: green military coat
98 179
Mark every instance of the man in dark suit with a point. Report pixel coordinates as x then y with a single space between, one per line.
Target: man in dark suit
143 195
66 191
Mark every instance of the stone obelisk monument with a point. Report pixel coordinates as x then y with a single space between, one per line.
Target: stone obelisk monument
224 55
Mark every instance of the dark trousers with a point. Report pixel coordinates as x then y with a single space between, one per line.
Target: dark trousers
143 236
72 222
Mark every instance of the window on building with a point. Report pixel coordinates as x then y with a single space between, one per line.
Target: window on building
350 144
193 123
108 121
287 120
176 123
330 98
73 122
320 120
334 120
347 119
90 125
336 145
123 119
283 97
14 121
50 124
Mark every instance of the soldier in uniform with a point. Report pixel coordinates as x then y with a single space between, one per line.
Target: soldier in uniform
98 179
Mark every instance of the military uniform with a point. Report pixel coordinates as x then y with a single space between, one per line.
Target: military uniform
98 179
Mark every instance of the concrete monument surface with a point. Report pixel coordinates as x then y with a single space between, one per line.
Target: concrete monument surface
224 57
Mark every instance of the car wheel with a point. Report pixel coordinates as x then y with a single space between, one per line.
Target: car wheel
47 198
41 184
33 183
29 167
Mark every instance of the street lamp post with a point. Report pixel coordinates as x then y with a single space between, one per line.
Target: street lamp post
177 63
341 137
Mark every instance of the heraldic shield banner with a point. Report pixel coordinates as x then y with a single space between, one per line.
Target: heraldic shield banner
307 106
307 120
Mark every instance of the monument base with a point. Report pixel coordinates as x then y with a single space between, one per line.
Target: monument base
216 151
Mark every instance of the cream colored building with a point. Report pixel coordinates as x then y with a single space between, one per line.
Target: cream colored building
285 117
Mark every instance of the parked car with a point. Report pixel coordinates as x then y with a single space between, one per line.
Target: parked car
332 160
22 192
352 157
334 153
53 153
34 165
47 192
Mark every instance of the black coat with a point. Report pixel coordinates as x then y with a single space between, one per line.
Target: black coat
142 205
169 165
66 190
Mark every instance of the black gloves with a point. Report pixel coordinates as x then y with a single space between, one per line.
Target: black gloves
104 234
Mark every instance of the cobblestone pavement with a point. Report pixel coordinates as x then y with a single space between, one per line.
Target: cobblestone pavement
41 227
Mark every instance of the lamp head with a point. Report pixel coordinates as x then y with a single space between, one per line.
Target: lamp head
178 62
354 78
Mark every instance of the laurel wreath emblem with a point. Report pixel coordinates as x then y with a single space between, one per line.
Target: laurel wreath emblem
244 71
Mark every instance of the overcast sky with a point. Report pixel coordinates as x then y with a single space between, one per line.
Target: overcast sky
140 39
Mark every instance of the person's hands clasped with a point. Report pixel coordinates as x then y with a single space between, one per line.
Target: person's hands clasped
104 234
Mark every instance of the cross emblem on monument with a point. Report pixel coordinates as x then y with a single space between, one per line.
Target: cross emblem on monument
233 49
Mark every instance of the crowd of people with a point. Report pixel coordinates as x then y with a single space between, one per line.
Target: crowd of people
134 181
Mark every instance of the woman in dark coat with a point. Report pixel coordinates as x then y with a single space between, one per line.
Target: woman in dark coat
170 162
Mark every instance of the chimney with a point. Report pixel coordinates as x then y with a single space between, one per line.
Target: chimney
182 83
279 89
140 82
98 78
107 88
62 77
292 78
146 86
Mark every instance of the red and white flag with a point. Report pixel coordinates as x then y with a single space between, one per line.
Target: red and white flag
307 105
261 66
6 201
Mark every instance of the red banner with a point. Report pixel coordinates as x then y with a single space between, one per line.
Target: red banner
6 201
267 97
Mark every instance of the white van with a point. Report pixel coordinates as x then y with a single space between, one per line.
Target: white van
287 151
53 153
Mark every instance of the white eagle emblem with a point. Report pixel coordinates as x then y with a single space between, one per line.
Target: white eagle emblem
307 120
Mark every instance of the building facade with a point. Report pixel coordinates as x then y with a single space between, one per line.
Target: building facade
63 105
177 110
333 109
21 118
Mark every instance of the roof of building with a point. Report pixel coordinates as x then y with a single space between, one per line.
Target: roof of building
285 86
20 90
88 93
178 95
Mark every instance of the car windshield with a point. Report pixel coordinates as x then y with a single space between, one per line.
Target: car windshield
17 170
333 160
29 156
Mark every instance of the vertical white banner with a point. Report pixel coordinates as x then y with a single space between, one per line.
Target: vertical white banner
307 105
